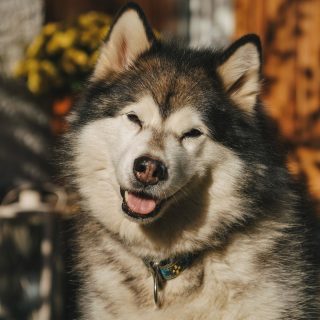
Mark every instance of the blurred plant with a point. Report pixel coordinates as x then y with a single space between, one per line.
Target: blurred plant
61 57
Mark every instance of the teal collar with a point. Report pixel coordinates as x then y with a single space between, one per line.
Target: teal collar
166 270
170 268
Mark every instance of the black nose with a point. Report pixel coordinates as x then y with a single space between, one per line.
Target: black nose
149 171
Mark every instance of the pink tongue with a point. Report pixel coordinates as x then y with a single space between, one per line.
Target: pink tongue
139 205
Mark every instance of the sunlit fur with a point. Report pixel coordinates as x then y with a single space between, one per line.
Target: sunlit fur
229 197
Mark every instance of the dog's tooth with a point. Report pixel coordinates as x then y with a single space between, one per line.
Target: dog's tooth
126 195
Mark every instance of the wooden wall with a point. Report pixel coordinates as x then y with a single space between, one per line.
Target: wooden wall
290 34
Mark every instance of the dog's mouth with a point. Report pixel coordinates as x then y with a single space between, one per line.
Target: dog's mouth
140 205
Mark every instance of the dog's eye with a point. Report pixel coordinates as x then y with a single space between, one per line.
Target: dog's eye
134 118
193 133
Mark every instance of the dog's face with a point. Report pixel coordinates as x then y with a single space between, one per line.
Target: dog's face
155 137
155 157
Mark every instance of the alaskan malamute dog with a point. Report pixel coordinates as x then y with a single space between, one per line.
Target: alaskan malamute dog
187 209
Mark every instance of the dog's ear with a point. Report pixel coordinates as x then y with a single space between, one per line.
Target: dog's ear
129 36
240 71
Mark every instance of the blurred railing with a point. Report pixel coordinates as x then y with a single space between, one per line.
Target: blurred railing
31 265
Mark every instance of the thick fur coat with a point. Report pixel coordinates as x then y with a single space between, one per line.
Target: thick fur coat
210 182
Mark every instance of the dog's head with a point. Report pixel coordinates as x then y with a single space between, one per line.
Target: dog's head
158 136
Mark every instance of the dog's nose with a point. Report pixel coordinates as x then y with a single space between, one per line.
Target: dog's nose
149 171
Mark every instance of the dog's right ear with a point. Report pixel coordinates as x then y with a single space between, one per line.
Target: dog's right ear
240 71
129 36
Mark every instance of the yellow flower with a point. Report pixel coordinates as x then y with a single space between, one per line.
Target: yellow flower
74 59
79 57
91 38
63 53
50 28
85 37
48 68
61 40
32 65
20 69
50 72
35 47
34 82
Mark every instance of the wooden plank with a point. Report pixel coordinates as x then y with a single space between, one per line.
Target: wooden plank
307 69
274 21
307 122
307 164
280 53
249 16
241 17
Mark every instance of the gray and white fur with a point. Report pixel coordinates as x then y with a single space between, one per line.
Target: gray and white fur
224 194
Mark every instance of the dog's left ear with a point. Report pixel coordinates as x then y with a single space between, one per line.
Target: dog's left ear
129 36
240 71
